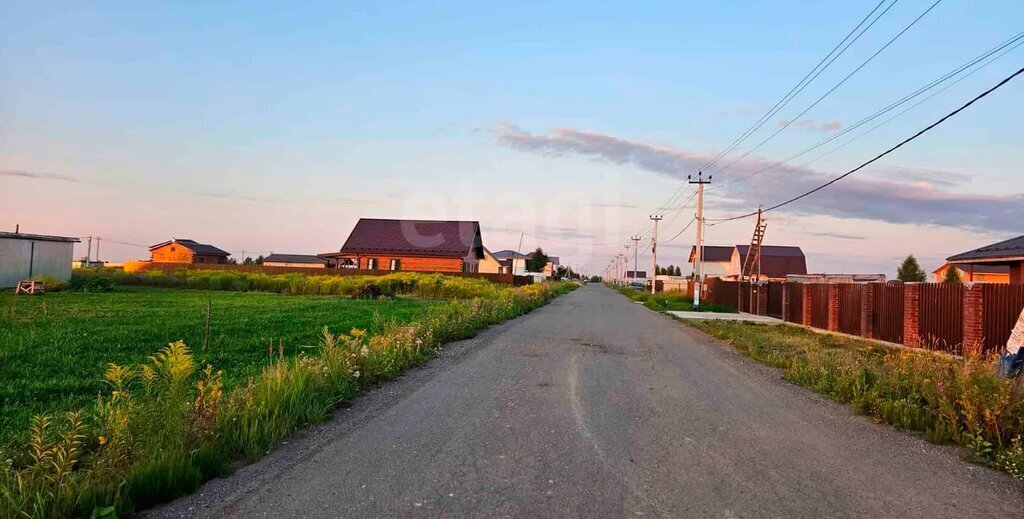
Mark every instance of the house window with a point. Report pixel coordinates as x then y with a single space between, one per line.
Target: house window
396 264
172 248
371 263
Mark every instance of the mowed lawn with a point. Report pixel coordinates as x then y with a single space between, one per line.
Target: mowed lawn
55 348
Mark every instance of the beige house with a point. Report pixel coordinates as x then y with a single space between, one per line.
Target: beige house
489 264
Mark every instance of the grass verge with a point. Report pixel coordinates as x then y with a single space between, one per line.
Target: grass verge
670 301
163 427
947 399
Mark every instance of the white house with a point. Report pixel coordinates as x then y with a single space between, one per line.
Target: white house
27 256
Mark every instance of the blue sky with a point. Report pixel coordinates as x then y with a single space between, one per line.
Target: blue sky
272 127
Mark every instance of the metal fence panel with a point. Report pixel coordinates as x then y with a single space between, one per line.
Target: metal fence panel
850 295
775 291
887 318
941 316
1003 305
819 306
796 302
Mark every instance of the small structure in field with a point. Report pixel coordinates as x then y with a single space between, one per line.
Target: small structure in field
186 251
25 256
415 245
311 261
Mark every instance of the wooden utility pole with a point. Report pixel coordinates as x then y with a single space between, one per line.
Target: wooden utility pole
654 254
698 265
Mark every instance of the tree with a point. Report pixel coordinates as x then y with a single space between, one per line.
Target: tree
952 276
669 270
679 271
657 269
247 260
259 260
537 261
910 271
563 272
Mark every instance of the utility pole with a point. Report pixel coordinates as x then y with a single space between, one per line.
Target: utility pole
88 252
636 249
98 238
626 270
654 254
698 270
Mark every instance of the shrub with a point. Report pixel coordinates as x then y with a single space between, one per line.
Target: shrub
52 284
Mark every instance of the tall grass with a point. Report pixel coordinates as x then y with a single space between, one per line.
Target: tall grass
422 285
948 399
164 427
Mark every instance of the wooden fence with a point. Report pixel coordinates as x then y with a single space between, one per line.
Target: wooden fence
507 279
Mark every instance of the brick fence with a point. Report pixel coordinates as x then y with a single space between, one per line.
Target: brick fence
921 315
932 315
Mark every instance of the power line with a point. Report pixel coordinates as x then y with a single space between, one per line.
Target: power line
1015 41
833 89
569 241
884 153
680 233
885 122
811 75
803 83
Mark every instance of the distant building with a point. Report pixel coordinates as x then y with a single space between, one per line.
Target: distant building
835 278
28 256
512 262
311 261
639 274
1008 253
186 251
489 264
777 261
717 261
999 274
416 245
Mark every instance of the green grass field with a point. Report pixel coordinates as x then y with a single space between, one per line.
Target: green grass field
54 348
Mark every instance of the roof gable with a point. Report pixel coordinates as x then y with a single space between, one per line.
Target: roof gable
778 261
453 239
1013 247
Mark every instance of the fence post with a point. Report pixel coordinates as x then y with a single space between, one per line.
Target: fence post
805 312
867 311
762 297
974 316
833 307
785 301
912 315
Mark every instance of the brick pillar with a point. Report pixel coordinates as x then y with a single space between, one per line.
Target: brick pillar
867 311
762 298
974 316
805 312
911 315
833 307
785 301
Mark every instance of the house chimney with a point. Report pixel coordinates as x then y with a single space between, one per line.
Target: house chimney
17 227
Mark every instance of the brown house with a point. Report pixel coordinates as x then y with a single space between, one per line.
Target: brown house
1008 254
415 245
186 251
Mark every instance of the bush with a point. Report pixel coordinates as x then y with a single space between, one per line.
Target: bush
51 283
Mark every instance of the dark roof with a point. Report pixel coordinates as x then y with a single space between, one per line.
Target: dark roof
778 261
37 237
713 253
509 254
449 239
194 246
294 258
1014 247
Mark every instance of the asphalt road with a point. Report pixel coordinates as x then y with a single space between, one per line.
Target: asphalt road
597 407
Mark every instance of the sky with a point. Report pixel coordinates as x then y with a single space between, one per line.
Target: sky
266 127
